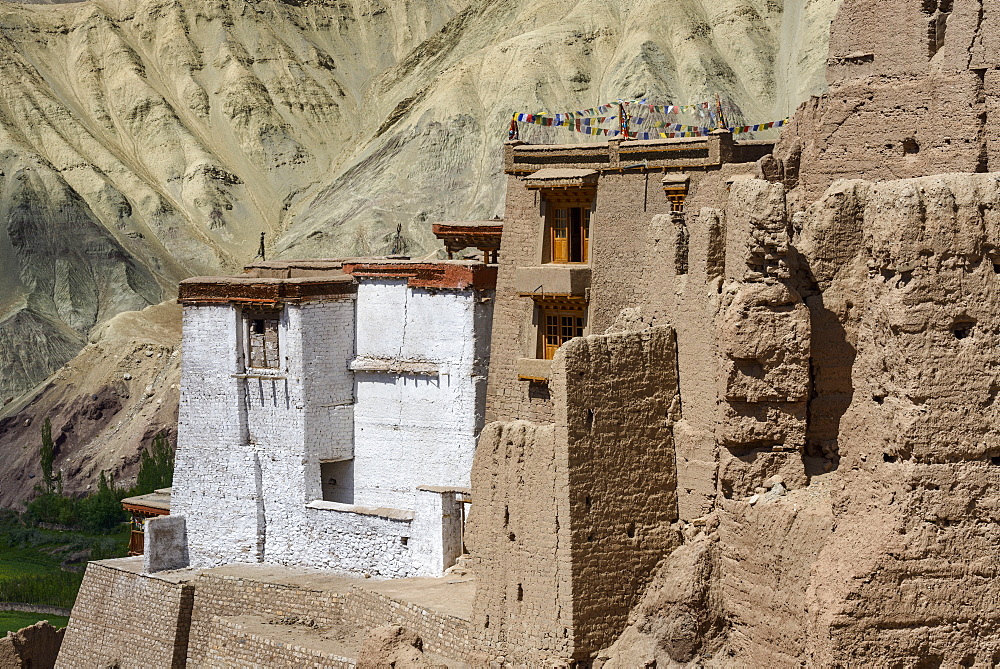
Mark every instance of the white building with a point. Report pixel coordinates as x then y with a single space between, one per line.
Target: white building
329 413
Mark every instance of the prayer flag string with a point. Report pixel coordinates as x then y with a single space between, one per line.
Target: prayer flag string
585 121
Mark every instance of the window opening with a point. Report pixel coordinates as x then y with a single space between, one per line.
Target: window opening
560 325
676 198
262 344
337 481
569 235
675 187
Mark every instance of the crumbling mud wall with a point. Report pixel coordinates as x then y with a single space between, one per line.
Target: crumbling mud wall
914 91
575 515
918 445
517 533
33 647
868 534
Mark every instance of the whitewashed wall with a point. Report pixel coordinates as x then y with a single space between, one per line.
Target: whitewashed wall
416 422
248 476
295 422
216 481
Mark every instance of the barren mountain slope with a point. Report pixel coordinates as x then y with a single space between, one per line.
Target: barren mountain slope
142 142
104 405
167 134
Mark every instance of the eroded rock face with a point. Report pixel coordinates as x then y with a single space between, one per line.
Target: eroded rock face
105 406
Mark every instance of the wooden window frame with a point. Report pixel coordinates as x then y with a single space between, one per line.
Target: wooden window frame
558 322
567 242
261 319
676 197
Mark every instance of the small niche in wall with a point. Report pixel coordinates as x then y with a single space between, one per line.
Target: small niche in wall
963 328
338 481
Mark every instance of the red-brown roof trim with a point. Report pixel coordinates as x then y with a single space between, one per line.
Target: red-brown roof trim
445 275
266 292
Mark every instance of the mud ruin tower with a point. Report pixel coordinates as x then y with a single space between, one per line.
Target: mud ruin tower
832 445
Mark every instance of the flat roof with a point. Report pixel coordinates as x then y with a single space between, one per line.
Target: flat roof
204 290
158 500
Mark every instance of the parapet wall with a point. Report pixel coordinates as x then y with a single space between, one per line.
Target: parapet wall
221 595
128 619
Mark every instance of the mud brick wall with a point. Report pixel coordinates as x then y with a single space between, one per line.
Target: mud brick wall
507 397
232 645
221 595
648 267
577 514
108 627
442 634
617 403
518 533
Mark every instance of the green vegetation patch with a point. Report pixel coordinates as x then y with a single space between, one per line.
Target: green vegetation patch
44 551
12 621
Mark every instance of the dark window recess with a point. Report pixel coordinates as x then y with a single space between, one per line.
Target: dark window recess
520 593
337 480
262 345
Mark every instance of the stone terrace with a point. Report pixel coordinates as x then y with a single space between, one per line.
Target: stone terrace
264 615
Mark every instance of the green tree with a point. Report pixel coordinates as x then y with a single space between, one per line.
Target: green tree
102 511
156 467
51 481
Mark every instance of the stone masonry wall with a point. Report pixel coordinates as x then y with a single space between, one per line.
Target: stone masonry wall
234 645
218 595
328 330
216 477
356 542
441 634
290 431
124 618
